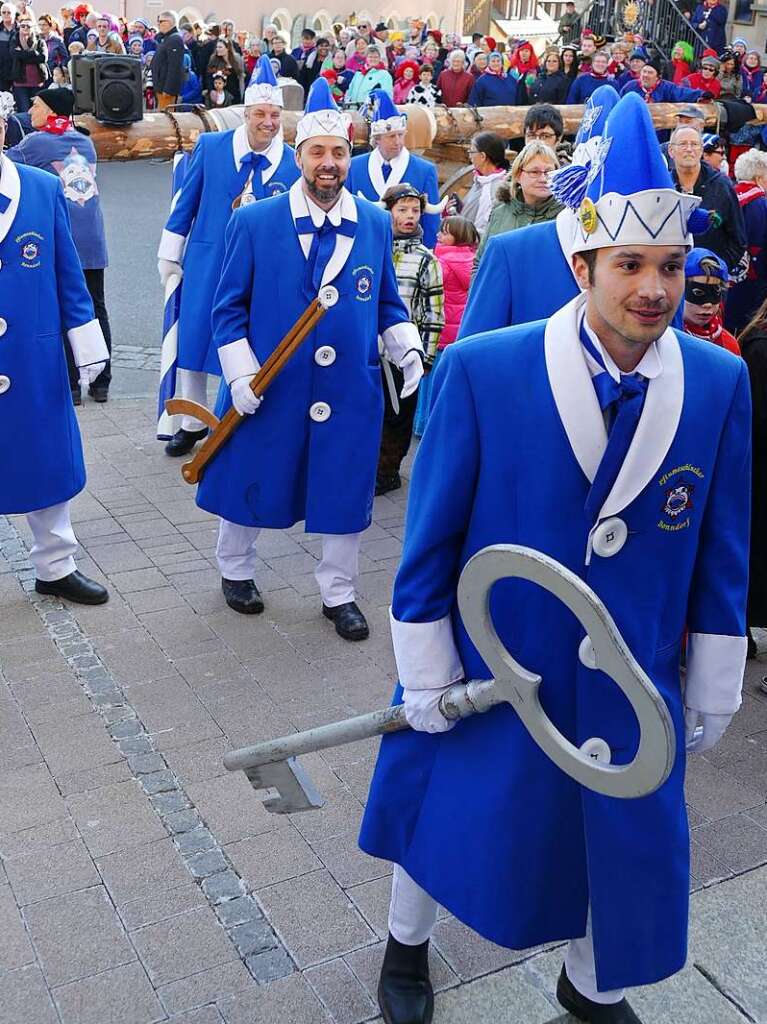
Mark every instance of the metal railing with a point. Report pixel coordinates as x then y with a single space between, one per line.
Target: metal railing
662 25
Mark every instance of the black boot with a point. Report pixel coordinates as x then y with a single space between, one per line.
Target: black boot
77 396
405 994
74 587
351 624
586 1009
183 441
243 596
384 484
99 393
753 650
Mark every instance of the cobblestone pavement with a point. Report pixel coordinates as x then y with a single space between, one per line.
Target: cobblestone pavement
140 882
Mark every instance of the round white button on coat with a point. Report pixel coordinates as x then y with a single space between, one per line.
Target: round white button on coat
325 355
597 749
586 653
3 326
609 537
320 412
328 296
5 384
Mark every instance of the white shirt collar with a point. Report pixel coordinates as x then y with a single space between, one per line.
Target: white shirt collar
318 215
241 147
649 366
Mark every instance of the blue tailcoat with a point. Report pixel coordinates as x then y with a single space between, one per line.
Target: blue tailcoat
420 173
523 276
196 228
478 816
281 466
44 296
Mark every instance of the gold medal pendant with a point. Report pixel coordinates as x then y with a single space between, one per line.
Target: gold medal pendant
243 199
587 215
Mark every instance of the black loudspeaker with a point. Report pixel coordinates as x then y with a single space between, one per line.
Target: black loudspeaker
118 92
108 86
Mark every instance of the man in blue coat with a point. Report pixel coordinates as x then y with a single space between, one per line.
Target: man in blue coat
654 89
391 162
44 296
629 464
507 287
710 20
310 450
227 169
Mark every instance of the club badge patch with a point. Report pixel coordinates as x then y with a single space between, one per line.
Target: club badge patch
29 249
363 283
678 487
276 188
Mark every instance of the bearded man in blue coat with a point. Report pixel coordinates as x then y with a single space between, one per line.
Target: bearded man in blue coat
44 297
630 466
507 287
310 450
227 169
391 162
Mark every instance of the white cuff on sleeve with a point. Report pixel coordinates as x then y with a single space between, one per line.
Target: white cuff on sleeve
88 345
399 339
237 360
171 246
715 667
425 652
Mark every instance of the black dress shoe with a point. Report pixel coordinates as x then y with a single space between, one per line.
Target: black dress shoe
242 596
351 624
586 1009
384 484
752 650
405 994
99 394
77 398
183 441
74 587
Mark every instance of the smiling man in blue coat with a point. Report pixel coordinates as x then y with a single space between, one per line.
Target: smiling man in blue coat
621 448
391 162
44 297
309 451
227 169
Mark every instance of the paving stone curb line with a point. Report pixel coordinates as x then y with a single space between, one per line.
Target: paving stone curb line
136 357
256 942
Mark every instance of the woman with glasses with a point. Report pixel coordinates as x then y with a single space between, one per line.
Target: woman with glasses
715 154
487 153
526 197
57 52
30 68
551 84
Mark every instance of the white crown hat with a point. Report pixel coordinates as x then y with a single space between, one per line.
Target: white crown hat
626 195
386 117
263 87
322 116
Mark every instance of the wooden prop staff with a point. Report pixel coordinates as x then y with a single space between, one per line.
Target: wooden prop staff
222 430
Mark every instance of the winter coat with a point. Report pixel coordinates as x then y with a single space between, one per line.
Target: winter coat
753 84
549 88
23 55
697 81
745 297
58 55
585 85
455 88
494 91
456 262
729 239
710 22
168 63
513 212
363 84
753 349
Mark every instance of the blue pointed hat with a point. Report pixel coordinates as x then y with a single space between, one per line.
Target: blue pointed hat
629 197
322 116
263 87
595 114
385 116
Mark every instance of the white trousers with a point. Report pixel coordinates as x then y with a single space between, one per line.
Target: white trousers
237 557
413 914
192 384
54 547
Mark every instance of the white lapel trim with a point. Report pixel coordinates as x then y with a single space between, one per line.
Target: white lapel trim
10 187
344 244
274 156
398 168
570 382
241 147
345 208
655 431
565 222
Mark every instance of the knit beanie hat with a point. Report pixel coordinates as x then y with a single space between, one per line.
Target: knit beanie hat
60 101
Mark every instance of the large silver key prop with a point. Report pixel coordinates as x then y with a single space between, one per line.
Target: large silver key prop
272 765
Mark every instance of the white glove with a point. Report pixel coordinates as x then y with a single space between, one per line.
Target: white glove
712 728
89 373
422 710
243 399
167 268
412 370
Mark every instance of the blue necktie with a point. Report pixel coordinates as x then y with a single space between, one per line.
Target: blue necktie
323 244
4 203
624 403
386 169
257 163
